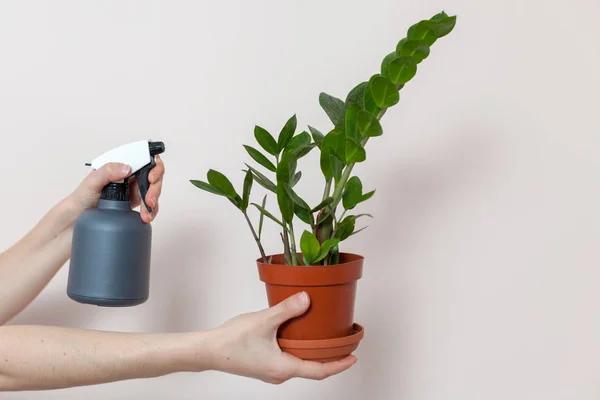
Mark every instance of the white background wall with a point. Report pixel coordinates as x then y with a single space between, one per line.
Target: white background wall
483 260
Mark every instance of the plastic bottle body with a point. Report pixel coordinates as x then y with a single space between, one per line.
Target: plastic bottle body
110 256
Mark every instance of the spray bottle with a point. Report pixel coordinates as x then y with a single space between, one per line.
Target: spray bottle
110 254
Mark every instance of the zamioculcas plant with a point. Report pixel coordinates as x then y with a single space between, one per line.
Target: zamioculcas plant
324 226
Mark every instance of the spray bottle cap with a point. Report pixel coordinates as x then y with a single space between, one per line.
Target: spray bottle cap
140 156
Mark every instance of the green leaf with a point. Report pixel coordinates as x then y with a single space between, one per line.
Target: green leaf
303 214
247 188
322 205
303 150
402 69
355 153
351 130
337 145
325 247
262 217
300 140
384 92
286 204
326 162
345 228
333 107
267 214
385 63
352 193
296 178
260 158
422 31
287 132
442 24
309 245
360 230
286 169
262 180
439 17
265 140
220 181
357 95
297 199
316 135
368 125
338 168
418 50
207 187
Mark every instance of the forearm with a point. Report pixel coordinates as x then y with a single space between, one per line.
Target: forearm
27 267
40 357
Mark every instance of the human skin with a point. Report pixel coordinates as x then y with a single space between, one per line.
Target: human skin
36 357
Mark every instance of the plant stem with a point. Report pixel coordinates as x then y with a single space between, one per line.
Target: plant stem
293 245
286 247
327 189
262 251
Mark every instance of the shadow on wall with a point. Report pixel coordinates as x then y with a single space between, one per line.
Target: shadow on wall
413 191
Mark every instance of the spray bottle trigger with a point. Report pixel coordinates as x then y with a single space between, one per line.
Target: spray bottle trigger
143 183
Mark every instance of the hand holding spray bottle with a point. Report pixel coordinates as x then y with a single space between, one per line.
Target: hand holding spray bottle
110 255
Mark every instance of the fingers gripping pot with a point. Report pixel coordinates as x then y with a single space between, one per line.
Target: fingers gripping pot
110 254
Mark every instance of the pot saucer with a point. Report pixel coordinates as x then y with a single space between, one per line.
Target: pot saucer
324 350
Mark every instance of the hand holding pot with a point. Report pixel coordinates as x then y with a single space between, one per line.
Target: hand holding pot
247 345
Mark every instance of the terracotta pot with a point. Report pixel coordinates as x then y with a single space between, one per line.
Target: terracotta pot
332 290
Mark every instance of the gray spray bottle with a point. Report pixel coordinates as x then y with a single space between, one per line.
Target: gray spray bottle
110 254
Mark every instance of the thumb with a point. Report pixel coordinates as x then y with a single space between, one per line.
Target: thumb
110 172
291 307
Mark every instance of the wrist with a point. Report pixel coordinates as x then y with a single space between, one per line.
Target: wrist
193 351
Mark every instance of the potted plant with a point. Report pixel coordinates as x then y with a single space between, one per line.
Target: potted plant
311 259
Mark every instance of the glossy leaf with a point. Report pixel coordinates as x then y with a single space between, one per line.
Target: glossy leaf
322 204
368 125
422 31
267 214
286 169
355 153
286 204
303 150
309 245
325 162
265 140
352 193
260 158
206 187
300 140
385 63
357 96
316 135
442 24
297 199
402 69
384 92
262 217
333 107
345 228
303 214
247 188
287 132
325 247
263 180
351 117
220 181
418 50
439 17
296 178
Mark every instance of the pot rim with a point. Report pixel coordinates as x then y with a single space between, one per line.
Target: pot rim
347 272
355 257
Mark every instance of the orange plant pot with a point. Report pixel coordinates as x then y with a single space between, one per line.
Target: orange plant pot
327 330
